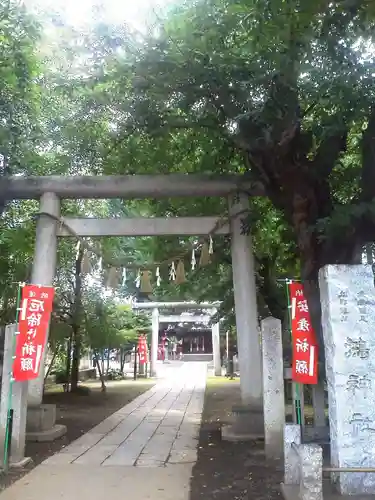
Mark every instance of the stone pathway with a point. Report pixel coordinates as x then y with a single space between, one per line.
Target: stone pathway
159 427
157 433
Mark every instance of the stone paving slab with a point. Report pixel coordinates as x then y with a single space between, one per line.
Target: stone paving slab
159 427
145 450
73 482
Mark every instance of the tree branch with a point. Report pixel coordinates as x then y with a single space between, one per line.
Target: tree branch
328 153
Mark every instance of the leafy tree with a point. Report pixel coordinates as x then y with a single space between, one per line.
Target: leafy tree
85 113
111 326
279 91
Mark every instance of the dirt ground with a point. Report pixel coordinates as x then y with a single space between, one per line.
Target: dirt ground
79 413
230 471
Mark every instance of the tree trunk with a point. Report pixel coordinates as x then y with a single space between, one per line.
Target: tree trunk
104 388
102 360
75 358
122 359
314 255
309 205
76 322
69 360
48 371
108 360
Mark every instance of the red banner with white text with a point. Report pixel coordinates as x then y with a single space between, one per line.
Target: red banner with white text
35 312
142 350
304 343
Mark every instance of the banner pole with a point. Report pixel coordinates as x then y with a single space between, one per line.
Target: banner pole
9 421
297 408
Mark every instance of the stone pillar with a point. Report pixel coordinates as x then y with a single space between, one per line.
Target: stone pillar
154 341
216 349
245 306
292 436
18 403
318 399
273 387
348 320
298 391
44 269
41 418
311 463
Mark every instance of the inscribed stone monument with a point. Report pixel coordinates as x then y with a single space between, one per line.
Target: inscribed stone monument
273 387
348 320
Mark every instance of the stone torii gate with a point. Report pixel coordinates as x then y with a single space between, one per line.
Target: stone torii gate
50 190
157 318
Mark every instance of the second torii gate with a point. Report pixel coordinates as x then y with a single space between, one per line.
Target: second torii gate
157 318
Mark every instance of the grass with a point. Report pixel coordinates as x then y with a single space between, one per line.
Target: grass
219 381
95 385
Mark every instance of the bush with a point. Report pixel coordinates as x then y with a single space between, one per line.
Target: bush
115 375
60 374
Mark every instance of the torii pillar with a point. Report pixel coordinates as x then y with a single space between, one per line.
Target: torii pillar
154 342
249 415
216 348
41 418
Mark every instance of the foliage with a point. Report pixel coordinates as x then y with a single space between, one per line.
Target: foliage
279 91
19 92
111 326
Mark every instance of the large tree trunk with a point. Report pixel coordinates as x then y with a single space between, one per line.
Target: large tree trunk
315 251
294 165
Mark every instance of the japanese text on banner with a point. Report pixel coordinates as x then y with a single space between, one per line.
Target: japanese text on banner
35 312
304 344
142 350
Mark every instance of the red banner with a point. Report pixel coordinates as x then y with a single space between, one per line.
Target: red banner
35 312
305 346
142 350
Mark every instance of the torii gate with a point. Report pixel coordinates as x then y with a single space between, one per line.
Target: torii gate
175 318
51 189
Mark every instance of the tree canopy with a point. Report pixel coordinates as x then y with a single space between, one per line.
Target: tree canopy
280 91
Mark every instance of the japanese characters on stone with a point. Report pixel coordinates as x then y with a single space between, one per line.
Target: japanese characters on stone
343 301
361 304
356 348
360 301
361 423
348 321
358 385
